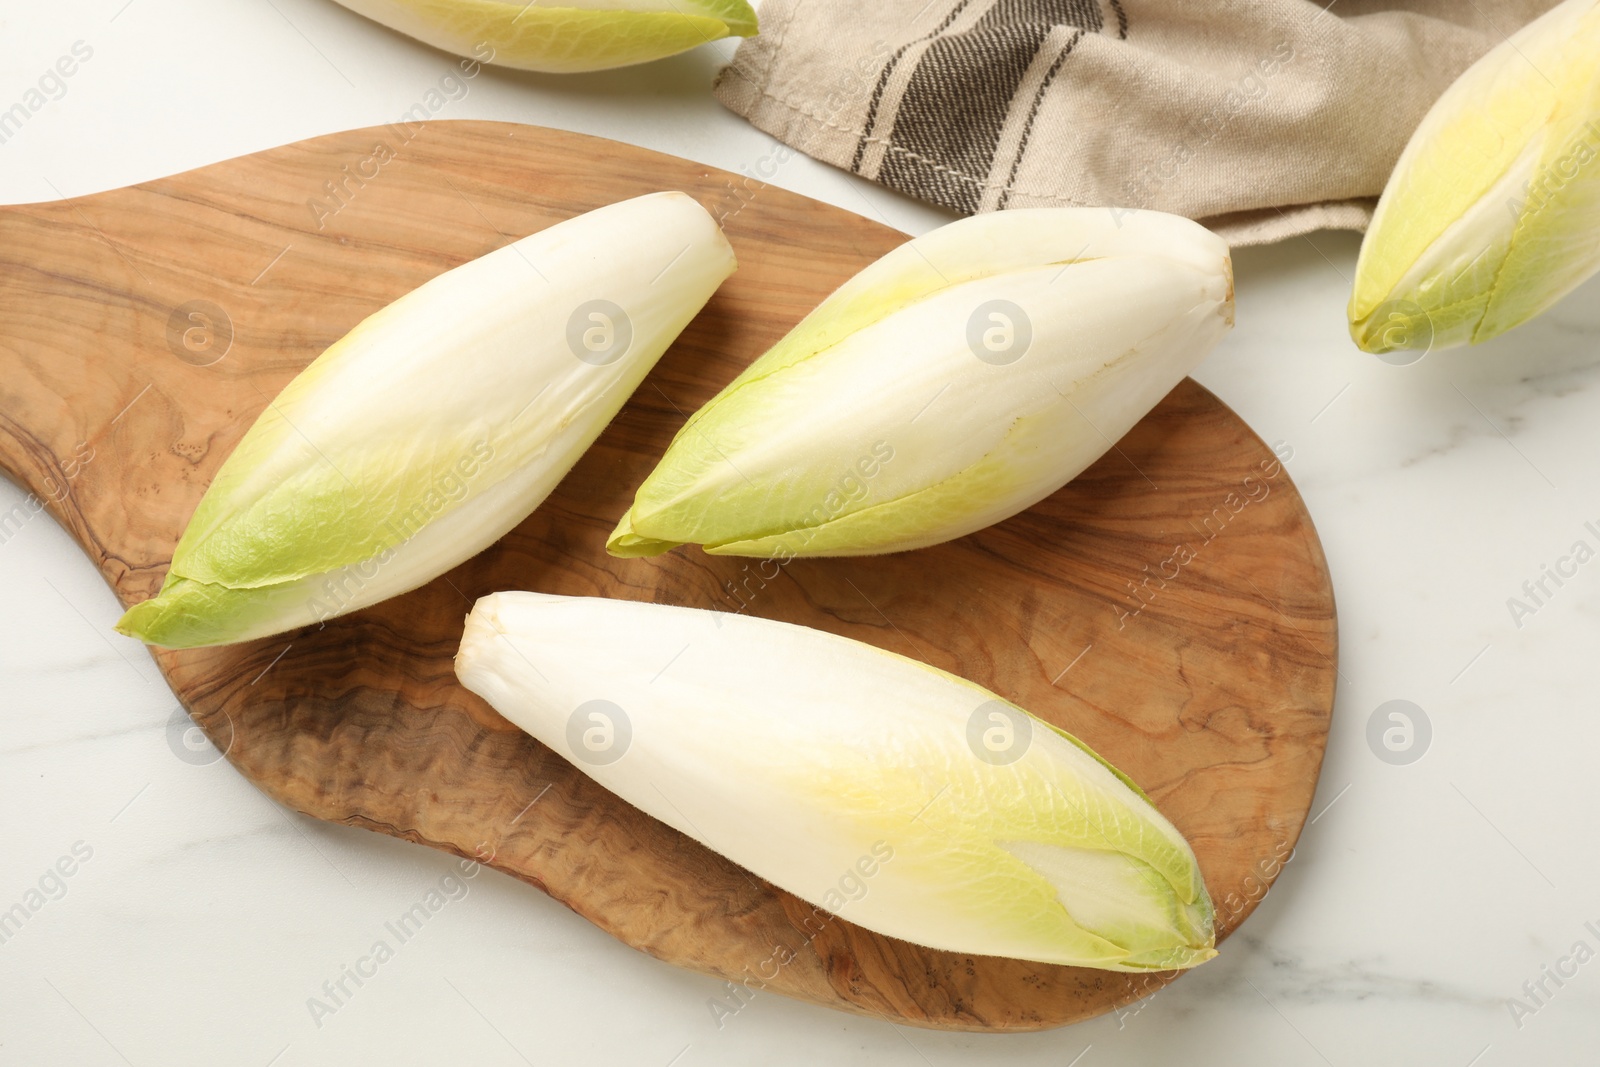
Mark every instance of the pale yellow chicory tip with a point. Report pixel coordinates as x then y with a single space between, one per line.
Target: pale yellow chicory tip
1492 214
565 37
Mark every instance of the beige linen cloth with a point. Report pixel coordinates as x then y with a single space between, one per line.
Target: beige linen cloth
1264 119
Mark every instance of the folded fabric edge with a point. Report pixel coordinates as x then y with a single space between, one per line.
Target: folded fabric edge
1265 226
739 91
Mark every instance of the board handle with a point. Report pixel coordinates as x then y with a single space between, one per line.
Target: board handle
102 326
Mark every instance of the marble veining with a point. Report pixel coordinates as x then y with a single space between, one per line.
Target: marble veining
1425 898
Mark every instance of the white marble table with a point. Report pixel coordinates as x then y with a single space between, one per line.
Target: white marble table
200 918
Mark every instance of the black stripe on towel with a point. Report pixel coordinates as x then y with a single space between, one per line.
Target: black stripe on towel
1033 113
948 124
883 81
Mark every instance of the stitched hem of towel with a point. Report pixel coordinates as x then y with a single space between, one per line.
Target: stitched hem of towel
834 143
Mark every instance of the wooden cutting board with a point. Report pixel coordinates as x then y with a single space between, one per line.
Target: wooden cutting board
1171 607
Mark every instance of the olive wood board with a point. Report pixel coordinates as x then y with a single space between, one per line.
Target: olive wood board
1171 606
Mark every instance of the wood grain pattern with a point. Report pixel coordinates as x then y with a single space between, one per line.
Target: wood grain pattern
117 406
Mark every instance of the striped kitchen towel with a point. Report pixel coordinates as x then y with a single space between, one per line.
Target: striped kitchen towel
1262 118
